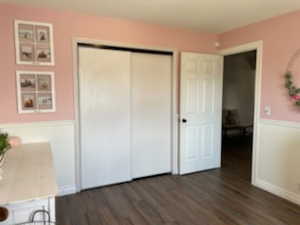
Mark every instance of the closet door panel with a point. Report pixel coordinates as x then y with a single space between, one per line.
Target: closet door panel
151 114
104 116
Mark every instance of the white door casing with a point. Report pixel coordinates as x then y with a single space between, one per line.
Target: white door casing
258 46
201 107
104 78
150 114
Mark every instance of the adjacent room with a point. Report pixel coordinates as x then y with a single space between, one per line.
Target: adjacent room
238 113
149 113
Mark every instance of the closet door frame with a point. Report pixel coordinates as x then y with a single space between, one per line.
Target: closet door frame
174 101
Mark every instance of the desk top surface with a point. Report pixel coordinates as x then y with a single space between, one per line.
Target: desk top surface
28 174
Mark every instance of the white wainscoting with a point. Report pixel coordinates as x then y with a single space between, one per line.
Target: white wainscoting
60 134
278 158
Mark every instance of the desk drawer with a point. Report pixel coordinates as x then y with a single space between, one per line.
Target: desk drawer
21 212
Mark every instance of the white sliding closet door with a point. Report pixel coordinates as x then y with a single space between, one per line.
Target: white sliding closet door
151 114
104 116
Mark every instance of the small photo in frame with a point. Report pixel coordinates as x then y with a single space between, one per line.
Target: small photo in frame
28 101
44 82
26 32
35 91
28 82
27 53
45 101
43 54
34 43
43 34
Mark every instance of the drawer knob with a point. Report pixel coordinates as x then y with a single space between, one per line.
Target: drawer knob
3 214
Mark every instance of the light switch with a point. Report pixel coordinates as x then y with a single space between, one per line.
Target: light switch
268 110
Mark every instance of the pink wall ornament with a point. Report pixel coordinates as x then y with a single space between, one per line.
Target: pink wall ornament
296 97
293 90
14 141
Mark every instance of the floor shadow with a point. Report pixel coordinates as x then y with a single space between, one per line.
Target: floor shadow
237 156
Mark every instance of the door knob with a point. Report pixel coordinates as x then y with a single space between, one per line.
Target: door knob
184 120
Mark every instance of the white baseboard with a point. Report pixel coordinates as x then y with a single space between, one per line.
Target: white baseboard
66 190
290 196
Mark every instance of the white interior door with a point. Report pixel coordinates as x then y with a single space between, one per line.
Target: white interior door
151 114
104 77
201 112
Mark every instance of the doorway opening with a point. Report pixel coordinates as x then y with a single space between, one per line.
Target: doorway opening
238 113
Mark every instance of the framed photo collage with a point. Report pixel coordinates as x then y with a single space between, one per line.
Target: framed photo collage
35 91
34 46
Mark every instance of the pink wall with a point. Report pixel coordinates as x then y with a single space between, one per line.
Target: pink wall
281 38
66 26
280 35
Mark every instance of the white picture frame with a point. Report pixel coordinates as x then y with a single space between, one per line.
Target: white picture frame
35 92
34 43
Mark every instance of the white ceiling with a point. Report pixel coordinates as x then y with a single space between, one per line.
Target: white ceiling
203 15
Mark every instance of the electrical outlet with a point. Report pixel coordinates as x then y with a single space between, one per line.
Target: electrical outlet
267 110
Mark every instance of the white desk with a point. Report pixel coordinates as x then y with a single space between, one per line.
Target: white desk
28 182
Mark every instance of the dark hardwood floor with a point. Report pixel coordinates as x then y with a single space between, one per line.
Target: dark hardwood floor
237 157
217 197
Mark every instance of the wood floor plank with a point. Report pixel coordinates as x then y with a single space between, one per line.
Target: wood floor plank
217 197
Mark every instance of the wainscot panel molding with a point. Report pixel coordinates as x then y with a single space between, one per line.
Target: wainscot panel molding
281 123
60 134
283 193
278 153
278 158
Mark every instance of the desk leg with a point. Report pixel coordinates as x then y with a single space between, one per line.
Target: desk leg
52 209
